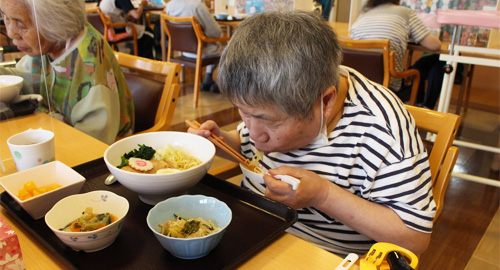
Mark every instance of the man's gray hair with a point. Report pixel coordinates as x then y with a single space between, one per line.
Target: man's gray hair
282 59
57 20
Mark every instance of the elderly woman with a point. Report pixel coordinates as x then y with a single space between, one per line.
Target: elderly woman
70 65
364 171
386 19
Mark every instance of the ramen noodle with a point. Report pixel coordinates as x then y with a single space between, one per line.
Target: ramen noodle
181 159
165 160
188 228
255 161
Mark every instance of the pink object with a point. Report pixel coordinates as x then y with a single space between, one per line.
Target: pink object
10 250
487 19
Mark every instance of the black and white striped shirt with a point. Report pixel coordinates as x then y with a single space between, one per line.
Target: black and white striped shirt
399 24
375 152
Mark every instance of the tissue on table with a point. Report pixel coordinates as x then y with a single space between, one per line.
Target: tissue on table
10 250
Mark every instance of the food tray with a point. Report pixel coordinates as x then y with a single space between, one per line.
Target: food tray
256 222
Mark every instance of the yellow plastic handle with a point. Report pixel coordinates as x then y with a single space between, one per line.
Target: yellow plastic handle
376 257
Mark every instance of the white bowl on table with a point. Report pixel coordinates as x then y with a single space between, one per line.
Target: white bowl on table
70 208
10 85
153 188
50 173
190 206
259 178
222 16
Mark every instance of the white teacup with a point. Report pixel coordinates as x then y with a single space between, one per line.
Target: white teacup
31 148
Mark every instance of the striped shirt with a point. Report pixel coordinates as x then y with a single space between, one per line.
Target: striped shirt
374 152
399 24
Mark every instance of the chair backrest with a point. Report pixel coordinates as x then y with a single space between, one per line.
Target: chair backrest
184 33
443 128
443 178
369 57
154 100
106 21
95 20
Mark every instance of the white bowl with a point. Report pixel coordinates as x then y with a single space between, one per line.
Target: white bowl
10 85
190 206
71 207
255 177
153 188
221 16
259 178
50 173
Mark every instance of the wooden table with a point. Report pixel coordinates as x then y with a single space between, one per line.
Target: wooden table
90 7
230 26
74 147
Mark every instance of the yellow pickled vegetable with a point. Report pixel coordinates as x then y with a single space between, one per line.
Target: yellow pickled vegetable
30 190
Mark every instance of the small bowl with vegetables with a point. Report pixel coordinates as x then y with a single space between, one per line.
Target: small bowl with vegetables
90 221
189 226
159 165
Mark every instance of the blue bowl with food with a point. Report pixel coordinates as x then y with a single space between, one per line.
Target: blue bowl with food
189 226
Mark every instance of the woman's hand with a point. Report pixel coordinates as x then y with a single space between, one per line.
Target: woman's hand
210 127
206 129
371 219
312 190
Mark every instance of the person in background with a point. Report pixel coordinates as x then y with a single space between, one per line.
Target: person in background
211 28
120 11
326 6
70 65
386 19
432 71
363 170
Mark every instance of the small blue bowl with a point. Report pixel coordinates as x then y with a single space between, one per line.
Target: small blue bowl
190 206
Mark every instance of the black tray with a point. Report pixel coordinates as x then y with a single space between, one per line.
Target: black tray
22 108
256 222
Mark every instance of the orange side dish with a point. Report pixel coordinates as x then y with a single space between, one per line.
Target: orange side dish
31 190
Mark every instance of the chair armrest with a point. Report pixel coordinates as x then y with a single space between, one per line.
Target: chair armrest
112 36
121 25
401 74
213 40
409 73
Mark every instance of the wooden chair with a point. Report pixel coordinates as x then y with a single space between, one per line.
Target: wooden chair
103 24
372 58
186 35
442 155
154 100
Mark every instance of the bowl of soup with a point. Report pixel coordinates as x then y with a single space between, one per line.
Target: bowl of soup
189 226
160 165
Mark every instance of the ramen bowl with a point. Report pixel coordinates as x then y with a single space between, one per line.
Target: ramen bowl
190 206
153 188
70 208
10 85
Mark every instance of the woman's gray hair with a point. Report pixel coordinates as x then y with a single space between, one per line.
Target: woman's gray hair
282 59
58 20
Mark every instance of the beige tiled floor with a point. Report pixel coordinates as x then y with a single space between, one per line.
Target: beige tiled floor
209 103
487 254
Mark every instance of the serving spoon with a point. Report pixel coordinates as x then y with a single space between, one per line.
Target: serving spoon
109 180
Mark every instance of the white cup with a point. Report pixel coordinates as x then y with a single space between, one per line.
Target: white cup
31 148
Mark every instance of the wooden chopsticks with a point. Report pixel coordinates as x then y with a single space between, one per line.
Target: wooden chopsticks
226 148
